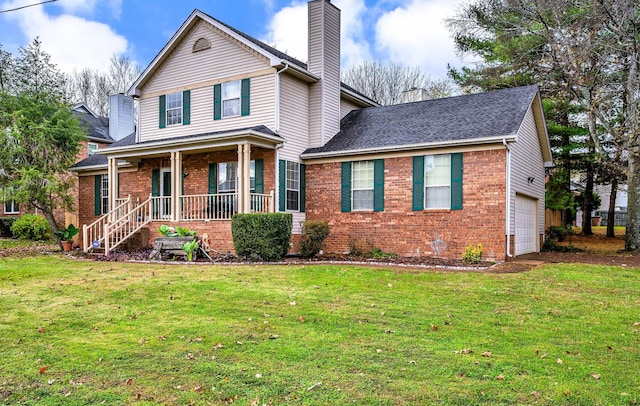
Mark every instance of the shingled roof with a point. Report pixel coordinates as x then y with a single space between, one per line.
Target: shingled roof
451 120
97 127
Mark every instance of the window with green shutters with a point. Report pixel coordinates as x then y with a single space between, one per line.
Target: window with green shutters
362 186
437 182
101 194
175 109
232 99
291 186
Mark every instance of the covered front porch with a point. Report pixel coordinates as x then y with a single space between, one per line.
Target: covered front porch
197 182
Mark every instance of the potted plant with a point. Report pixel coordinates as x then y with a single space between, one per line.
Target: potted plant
190 248
173 239
66 235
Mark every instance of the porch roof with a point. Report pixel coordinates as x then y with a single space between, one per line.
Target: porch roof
127 147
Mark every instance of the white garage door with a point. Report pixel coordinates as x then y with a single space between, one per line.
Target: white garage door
526 230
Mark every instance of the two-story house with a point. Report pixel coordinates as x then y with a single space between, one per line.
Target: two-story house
228 124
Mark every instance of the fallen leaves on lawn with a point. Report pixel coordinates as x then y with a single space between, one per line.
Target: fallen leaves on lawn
487 354
596 376
129 382
500 377
559 361
43 369
218 345
41 330
536 394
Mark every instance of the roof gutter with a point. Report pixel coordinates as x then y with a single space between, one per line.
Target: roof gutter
411 147
172 142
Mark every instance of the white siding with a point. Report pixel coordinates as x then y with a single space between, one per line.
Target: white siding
324 61
225 58
294 126
346 107
262 112
527 162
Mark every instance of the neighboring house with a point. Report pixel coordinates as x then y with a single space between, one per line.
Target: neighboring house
229 124
97 137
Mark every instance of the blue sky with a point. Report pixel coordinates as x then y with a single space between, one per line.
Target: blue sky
85 33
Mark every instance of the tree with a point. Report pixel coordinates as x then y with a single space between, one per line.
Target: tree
587 51
94 87
40 142
6 70
35 74
386 82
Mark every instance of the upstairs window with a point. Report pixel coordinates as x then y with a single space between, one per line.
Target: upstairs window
231 99
174 108
92 147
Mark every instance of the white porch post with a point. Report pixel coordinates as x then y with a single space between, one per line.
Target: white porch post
112 173
176 184
240 179
246 175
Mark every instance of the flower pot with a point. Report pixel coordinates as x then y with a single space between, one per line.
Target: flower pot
67 245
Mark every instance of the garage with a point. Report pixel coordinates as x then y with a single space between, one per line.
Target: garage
526 225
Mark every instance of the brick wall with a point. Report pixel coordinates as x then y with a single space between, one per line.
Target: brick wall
405 232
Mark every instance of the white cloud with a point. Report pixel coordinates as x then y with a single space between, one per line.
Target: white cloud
73 42
416 35
288 31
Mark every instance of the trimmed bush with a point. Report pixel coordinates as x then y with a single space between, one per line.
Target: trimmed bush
31 227
313 235
5 226
261 236
472 254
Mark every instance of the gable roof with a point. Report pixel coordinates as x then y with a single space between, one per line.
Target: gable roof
459 120
276 58
97 127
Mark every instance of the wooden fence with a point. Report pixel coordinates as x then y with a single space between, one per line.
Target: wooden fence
552 218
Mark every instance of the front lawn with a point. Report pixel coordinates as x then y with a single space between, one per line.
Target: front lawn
82 332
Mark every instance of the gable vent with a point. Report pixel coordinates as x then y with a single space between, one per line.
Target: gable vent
201 45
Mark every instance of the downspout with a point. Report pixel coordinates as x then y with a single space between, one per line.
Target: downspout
508 199
276 196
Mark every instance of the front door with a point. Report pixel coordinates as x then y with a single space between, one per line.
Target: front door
165 193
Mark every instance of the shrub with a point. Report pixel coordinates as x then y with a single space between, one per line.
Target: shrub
5 226
313 235
557 233
31 227
366 249
261 236
472 254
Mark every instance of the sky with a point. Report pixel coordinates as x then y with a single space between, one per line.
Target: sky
86 33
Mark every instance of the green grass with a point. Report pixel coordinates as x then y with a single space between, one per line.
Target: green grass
174 334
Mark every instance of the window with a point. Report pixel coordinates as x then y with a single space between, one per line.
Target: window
228 176
362 185
104 194
174 108
231 99
437 181
11 207
92 147
293 186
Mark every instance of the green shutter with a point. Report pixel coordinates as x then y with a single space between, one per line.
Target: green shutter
217 102
213 179
97 197
418 183
345 183
456 181
155 182
259 176
303 187
244 97
155 189
163 111
186 107
282 185
378 185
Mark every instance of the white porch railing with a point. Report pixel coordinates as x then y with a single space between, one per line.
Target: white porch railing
95 231
118 231
123 221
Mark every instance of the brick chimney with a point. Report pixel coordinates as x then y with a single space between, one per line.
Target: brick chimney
121 116
324 61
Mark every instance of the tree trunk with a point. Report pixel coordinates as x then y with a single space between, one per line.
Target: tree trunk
611 213
588 198
632 238
52 222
